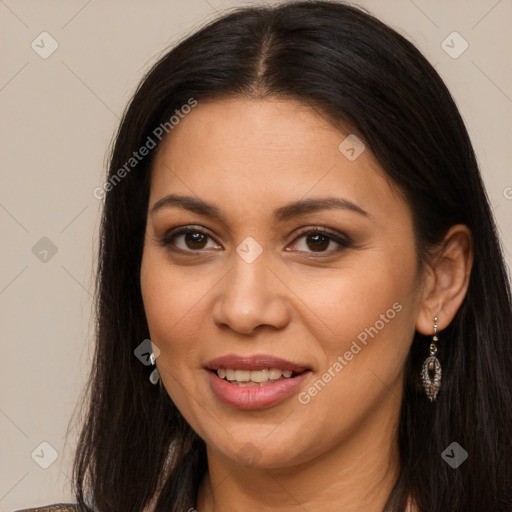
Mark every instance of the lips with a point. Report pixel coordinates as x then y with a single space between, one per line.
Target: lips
254 382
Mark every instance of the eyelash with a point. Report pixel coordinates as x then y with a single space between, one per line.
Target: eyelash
343 242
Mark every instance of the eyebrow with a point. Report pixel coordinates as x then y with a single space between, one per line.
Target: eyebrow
287 211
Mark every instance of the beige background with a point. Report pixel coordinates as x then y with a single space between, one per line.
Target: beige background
58 117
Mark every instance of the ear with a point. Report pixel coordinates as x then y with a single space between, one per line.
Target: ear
446 280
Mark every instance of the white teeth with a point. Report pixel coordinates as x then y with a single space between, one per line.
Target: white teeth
242 375
274 373
253 376
259 375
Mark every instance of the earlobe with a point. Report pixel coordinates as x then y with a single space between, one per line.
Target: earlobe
432 308
448 280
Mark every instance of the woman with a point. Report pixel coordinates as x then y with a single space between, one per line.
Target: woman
302 300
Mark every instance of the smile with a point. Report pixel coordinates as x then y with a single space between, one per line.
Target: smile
254 377
255 381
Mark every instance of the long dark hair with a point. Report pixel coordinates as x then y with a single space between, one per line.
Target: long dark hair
361 75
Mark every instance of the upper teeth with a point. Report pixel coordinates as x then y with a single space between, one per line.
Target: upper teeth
253 375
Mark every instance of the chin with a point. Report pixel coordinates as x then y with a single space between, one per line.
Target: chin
258 452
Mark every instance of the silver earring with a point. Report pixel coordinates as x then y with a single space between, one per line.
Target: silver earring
154 377
431 371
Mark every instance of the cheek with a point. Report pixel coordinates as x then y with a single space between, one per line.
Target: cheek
170 299
362 366
156 295
370 314
165 304
176 306
168 294
361 295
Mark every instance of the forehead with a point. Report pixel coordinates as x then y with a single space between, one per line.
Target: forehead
260 152
275 131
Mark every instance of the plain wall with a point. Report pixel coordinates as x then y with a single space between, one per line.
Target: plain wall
58 117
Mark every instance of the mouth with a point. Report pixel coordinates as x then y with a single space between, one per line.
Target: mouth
255 382
249 378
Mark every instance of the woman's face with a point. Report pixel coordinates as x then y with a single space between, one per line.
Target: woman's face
251 294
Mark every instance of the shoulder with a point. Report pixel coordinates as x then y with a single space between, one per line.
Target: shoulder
57 507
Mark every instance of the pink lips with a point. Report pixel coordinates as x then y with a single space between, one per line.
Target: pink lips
255 397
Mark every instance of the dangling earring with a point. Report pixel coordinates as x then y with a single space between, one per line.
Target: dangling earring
432 383
154 377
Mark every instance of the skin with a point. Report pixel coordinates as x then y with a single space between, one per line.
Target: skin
249 157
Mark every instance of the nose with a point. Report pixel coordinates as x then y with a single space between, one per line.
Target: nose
251 296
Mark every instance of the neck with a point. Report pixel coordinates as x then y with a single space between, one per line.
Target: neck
356 474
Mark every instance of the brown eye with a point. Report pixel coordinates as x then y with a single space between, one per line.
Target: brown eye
317 242
195 240
187 239
320 241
